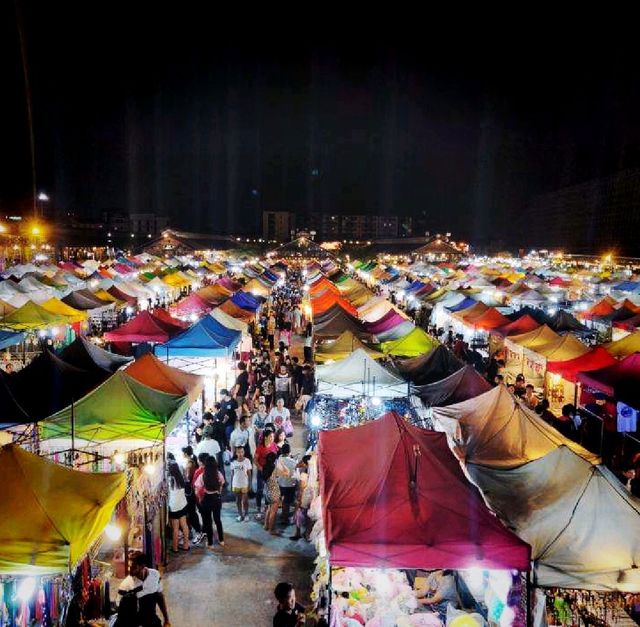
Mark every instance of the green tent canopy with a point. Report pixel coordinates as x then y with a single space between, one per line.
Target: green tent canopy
120 409
32 316
411 345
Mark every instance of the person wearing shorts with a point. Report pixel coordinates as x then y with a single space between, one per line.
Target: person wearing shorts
241 469
288 482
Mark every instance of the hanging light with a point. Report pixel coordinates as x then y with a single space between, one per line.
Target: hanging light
113 532
26 588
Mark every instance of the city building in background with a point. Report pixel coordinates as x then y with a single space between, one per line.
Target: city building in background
278 225
589 217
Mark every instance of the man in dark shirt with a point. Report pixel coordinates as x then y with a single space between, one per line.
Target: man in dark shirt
241 387
289 613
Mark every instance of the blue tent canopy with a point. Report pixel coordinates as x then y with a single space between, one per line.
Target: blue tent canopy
245 301
196 341
627 286
463 304
7 338
222 334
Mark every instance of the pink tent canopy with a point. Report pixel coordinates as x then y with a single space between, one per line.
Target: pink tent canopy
390 320
143 328
412 507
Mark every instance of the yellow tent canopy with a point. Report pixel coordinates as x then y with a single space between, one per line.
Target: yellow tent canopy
55 306
31 316
344 345
104 295
628 345
50 515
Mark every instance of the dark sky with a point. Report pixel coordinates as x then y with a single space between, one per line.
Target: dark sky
210 118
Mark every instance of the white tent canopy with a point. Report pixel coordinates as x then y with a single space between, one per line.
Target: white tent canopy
582 524
495 430
359 374
229 321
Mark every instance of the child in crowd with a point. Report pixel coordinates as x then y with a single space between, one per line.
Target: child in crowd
241 469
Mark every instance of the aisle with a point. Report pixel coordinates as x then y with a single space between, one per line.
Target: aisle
234 585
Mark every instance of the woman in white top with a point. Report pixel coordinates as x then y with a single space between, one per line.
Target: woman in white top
178 508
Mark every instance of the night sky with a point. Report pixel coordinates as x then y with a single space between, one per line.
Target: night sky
209 118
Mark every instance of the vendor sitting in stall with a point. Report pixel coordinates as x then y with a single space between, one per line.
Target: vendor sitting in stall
436 590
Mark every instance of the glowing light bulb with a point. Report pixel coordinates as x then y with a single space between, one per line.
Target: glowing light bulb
113 532
149 469
119 458
316 421
26 588
376 401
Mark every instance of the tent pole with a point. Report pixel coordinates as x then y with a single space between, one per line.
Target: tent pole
528 606
163 524
73 433
330 591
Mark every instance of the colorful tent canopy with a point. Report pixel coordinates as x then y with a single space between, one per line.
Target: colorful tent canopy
229 321
84 354
359 374
56 306
30 317
145 327
524 324
150 371
246 301
8 338
620 381
495 430
193 304
491 318
84 300
595 359
197 341
460 386
164 316
433 366
46 385
412 508
230 308
415 343
339 321
582 524
562 321
123 296
121 408
626 346
346 344
388 321
50 515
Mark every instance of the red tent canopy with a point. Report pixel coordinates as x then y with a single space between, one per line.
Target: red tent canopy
407 505
193 304
143 328
120 295
489 319
593 360
599 310
620 381
150 371
165 316
524 324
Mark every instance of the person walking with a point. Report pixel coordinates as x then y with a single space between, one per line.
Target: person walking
178 508
209 490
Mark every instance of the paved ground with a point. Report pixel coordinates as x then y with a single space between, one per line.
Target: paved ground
233 586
